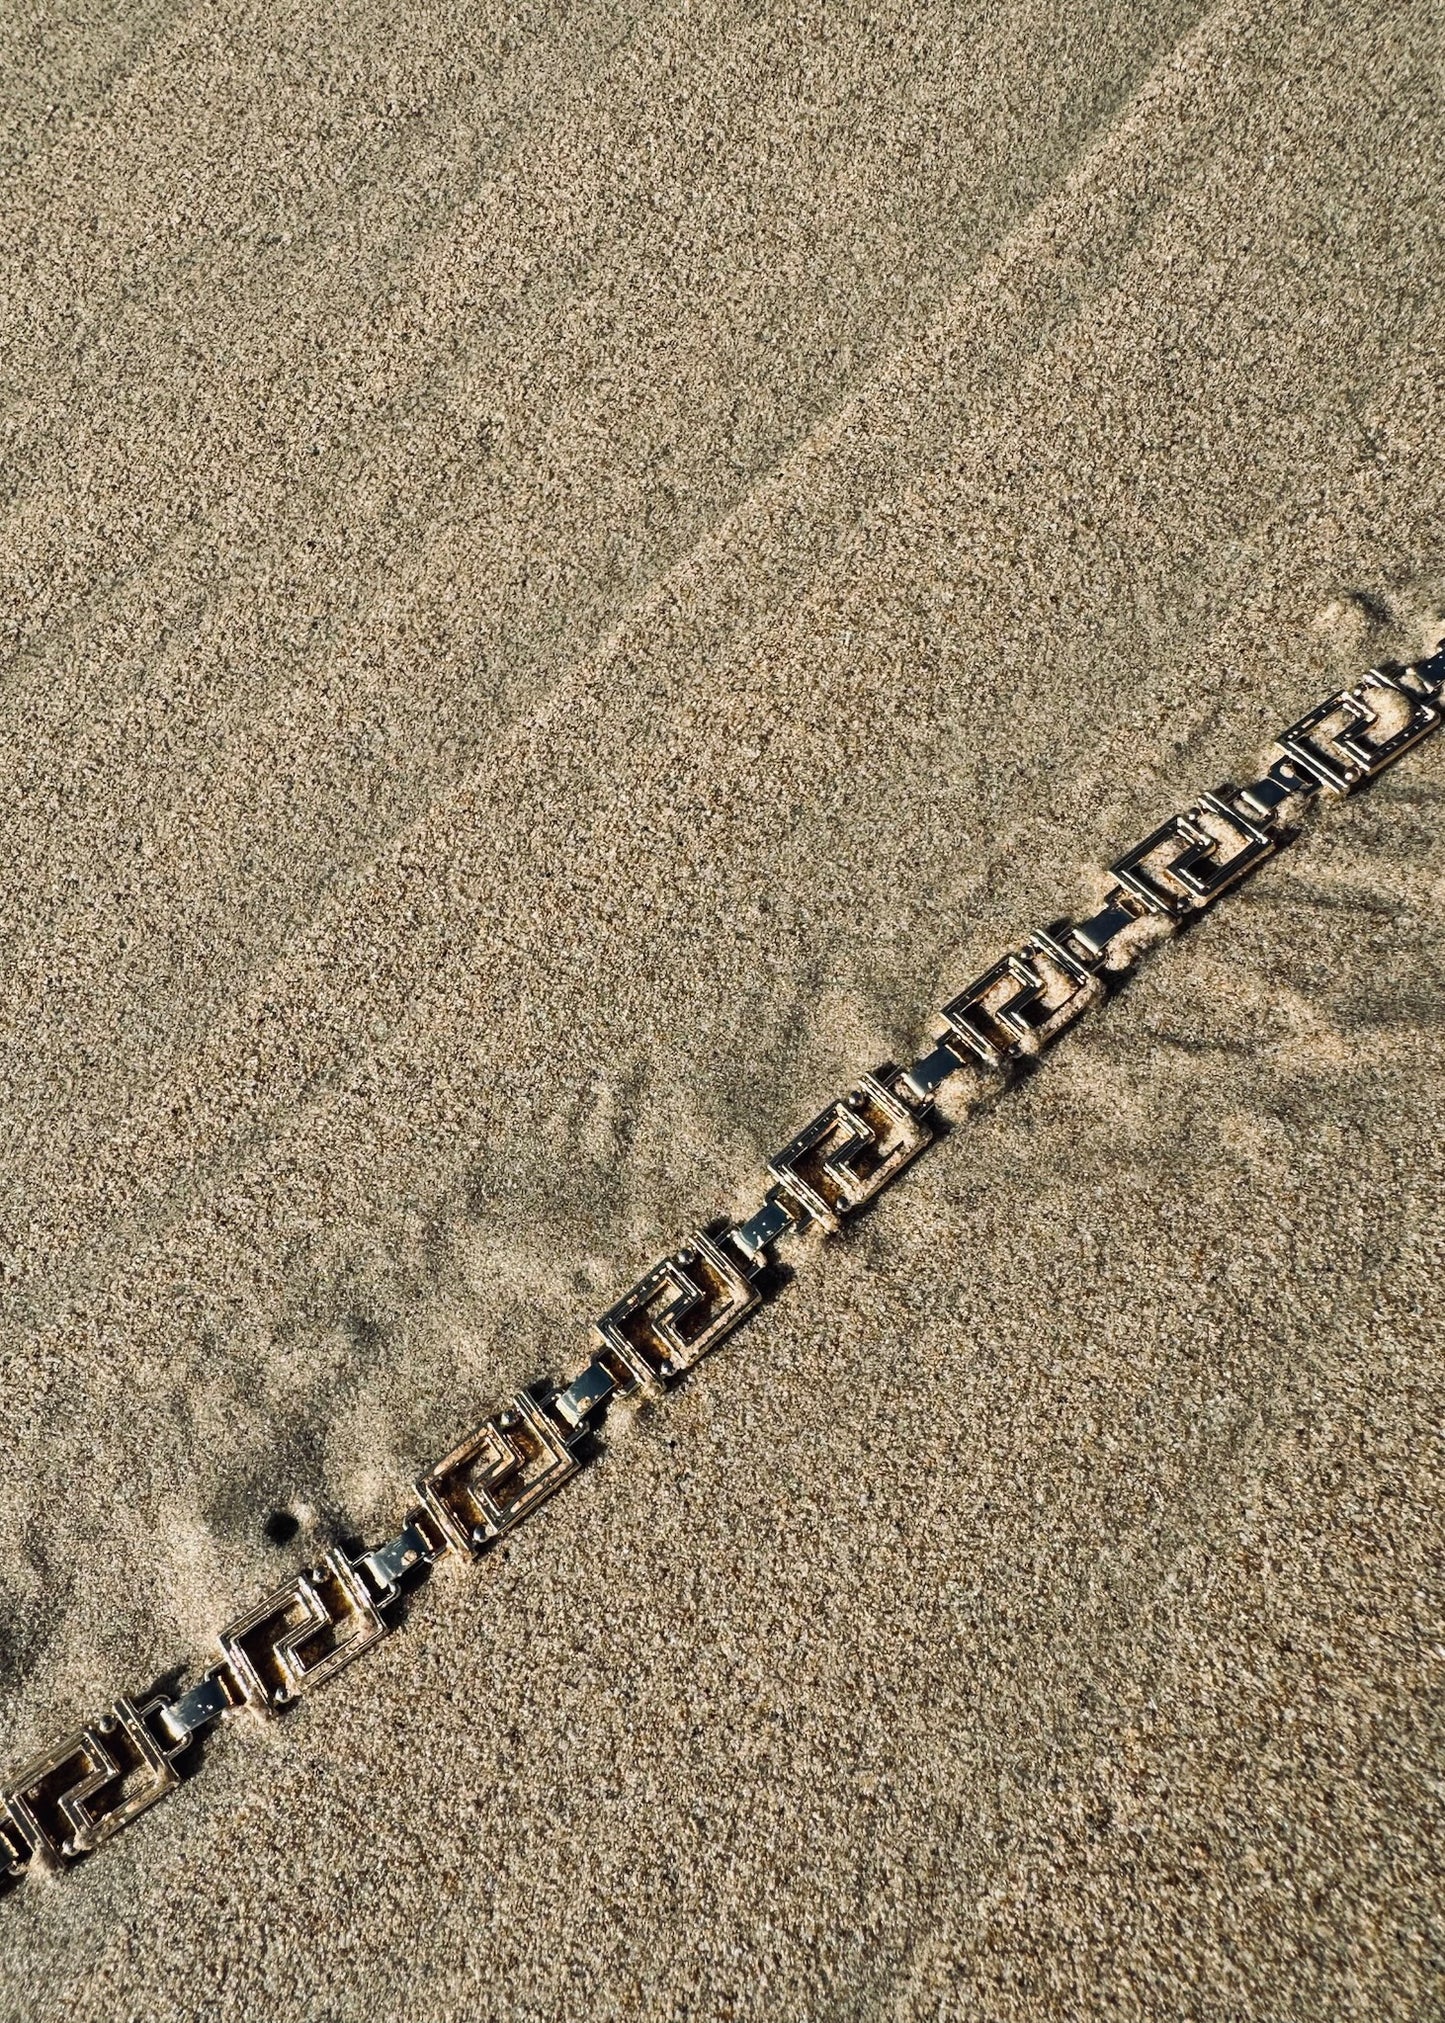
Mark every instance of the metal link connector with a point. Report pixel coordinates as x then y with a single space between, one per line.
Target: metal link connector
1281 783
1423 677
773 1221
404 1557
921 1083
181 1720
588 1391
1094 936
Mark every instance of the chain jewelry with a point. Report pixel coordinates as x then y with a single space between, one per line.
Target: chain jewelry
68 1801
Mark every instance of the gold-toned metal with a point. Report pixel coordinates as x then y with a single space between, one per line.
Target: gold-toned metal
852 1150
302 1633
678 1311
498 1475
70 1799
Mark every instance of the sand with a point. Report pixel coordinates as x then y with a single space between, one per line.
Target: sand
567 574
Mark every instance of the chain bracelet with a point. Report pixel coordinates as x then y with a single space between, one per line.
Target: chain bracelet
65 1803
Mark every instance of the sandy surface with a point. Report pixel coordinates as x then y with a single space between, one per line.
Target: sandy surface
567 574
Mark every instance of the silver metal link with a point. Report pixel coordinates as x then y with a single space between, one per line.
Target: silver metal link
210 1699
302 1633
679 1311
773 1221
387 1566
1348 740
851 1150
1121 910
498 1475
1023 1002
1179 868
70 1799
588 1391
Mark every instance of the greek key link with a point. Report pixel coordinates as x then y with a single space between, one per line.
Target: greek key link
1192 858
302 1634
1361 730
72 1799
676 1314
851 1150
498 1475
1023 1002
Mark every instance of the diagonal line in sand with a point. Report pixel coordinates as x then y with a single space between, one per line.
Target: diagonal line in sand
852 452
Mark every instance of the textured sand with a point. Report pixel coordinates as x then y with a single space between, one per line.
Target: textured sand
566 574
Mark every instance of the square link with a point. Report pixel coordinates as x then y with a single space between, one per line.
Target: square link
1349 739
53 1798
1179 869
498 1475
1019 1005
679 1311
271 1648
852 1149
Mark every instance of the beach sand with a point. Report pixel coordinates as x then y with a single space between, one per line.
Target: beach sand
567 574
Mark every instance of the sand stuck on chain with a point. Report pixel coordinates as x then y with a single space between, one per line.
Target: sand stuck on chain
567 573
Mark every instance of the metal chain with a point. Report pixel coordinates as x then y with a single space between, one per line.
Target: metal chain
65 1803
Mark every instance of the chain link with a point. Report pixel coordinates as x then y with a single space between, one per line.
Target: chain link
65 1803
